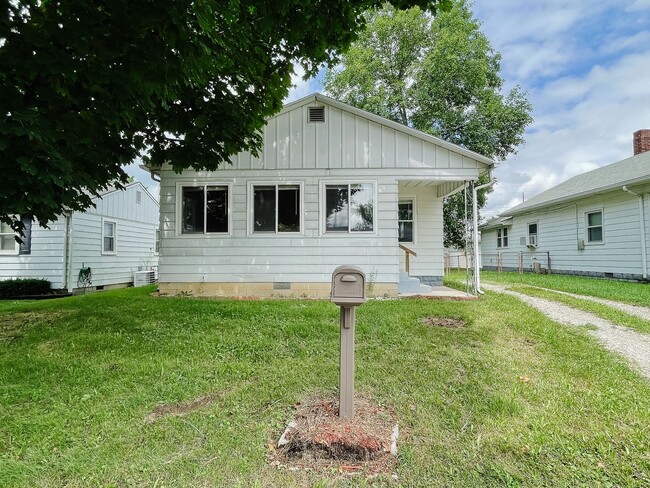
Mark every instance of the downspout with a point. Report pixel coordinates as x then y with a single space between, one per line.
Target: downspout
644 249
66 234
475 189
69 245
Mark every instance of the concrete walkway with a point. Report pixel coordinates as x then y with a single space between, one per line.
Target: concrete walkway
636 310
441 292
634 346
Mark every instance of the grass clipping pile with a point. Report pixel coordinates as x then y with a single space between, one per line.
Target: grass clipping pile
318 439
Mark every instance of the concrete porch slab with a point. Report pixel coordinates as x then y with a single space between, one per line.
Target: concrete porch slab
440 293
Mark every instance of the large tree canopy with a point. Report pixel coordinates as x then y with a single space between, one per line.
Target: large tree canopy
439 75
89 85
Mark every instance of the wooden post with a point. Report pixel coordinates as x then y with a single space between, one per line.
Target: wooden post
346 371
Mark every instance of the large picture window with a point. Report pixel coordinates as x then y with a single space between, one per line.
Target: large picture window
405 221
204 209
276 208
502 237
349 208
595 227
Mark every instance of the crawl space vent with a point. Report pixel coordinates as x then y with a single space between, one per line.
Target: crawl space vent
316 114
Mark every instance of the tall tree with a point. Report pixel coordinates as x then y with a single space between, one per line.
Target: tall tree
439 75
89 85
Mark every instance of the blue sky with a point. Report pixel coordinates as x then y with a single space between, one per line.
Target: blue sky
586 67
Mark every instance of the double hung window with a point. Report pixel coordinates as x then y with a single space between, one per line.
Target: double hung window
405 221
532 234
502 237
108 237
7 239
595 227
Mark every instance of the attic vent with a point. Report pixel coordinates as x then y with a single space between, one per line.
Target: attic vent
138 197
316 114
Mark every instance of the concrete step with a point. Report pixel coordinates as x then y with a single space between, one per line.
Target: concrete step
408 284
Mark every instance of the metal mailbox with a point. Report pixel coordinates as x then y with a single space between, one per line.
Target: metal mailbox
348 286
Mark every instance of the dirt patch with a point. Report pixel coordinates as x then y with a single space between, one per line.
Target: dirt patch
318 440
180 409
13 325
447 322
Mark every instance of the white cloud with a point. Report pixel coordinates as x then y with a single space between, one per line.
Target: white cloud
586 67
301 88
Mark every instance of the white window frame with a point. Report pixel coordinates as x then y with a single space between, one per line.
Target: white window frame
7 252
251 208
501 237
179 207
528 234
114 223
602 226
323 208
413 201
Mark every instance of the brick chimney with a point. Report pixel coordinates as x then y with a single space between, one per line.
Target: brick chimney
641 141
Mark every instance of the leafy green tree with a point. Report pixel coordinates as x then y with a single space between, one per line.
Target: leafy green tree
439 75
89 85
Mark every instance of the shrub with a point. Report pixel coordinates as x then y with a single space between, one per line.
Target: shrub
24 286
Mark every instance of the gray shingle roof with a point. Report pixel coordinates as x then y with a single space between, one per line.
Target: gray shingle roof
635 169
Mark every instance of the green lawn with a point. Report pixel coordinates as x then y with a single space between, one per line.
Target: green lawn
512 399
531 284
622 291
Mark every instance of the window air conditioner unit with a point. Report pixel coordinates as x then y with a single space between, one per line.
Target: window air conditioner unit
530 241
144 278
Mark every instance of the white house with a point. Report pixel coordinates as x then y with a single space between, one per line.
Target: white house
333 185
114 239
594 224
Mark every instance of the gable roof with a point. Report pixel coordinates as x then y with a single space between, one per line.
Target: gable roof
114 189
630 171
320 98
496 222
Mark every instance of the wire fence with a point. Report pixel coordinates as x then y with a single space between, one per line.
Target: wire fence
522 262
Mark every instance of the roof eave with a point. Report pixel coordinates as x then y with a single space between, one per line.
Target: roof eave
576 196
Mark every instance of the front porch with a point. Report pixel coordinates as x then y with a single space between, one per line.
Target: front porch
420 238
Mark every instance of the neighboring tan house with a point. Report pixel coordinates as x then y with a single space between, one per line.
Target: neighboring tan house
333 185
594 224
114 239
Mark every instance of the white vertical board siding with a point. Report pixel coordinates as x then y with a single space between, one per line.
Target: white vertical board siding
310 256
561 227
428 230
134 244
122 204
46 259
348 140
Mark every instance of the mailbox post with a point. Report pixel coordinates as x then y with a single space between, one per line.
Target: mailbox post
348 291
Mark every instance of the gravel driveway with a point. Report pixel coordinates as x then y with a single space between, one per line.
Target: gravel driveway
635 346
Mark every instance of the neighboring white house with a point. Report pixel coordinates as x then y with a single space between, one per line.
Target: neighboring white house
594 224
333 185
114 239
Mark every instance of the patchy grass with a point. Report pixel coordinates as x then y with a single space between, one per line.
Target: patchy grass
511 398
622 291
